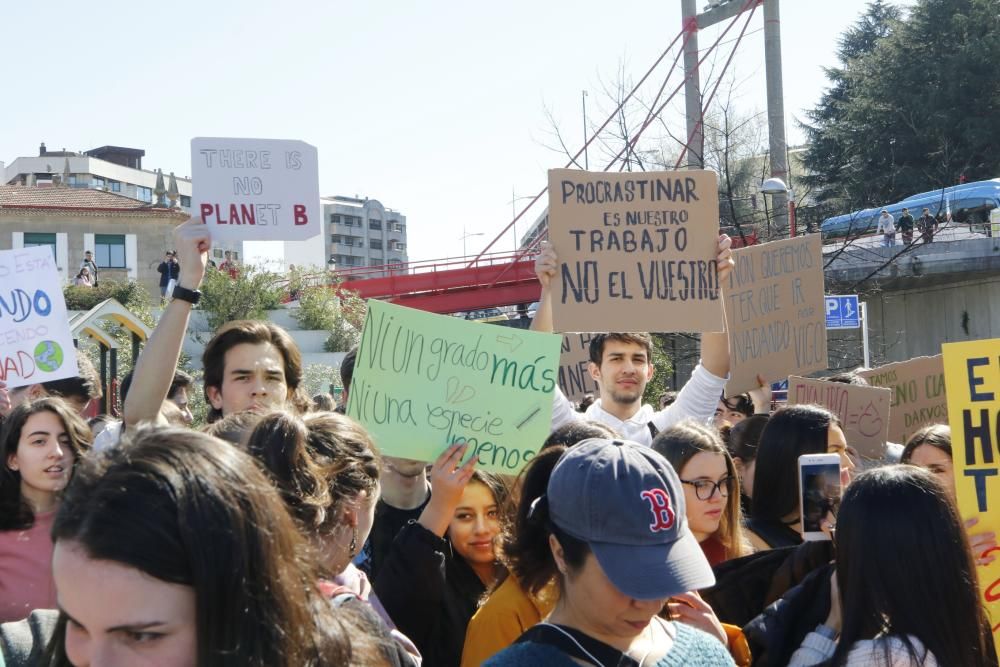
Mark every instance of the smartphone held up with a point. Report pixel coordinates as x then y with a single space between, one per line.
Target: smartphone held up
819 494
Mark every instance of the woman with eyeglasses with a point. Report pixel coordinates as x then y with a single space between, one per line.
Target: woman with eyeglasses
711 488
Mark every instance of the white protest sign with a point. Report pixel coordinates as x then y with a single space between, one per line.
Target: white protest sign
256 189
35 340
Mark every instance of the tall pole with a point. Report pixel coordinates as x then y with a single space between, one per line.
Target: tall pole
586 157
864 334
692 87
776 111
513 208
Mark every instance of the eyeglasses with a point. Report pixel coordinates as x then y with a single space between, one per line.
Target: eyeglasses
705 489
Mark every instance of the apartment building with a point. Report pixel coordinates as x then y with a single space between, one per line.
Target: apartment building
363 233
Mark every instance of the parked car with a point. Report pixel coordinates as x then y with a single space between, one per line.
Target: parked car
486 315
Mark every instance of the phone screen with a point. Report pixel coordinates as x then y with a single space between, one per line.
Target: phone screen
820 484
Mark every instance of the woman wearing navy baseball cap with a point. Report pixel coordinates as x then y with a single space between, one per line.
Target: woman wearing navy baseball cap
618 536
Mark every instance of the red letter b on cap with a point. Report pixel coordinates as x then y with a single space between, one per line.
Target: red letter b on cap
659 505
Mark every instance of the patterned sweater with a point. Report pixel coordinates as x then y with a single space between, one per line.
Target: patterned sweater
692 648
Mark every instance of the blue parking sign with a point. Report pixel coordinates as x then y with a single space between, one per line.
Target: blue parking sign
842 312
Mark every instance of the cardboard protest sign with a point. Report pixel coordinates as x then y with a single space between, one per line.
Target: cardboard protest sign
423 381
774 311
256 189
574 376
863 411
918 394
35 340
972 376
636 251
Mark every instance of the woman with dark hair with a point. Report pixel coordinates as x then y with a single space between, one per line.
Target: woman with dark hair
441 565
577 431
742 442
42 442
930 448
327 470
617 541
927 613
524 594
791 431
83 278
175 549
711 488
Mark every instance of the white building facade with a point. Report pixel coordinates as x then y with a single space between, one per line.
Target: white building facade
363 233
114 169
109 168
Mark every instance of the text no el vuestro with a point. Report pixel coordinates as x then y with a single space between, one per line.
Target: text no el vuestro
643 230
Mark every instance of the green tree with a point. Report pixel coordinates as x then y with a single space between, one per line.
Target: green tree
914 105
661 378
331 307
831 171
248 296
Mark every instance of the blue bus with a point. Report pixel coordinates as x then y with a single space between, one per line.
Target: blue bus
969 203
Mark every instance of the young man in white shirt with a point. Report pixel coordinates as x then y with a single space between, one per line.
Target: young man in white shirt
887 228
621 364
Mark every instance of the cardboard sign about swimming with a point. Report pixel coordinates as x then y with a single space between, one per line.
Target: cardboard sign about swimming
774 311
863 412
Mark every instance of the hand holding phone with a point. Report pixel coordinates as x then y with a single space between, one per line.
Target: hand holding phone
819 493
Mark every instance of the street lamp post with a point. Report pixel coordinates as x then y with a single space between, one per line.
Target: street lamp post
465 236
782 196
513 212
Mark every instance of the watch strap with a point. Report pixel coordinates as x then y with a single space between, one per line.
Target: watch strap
192 296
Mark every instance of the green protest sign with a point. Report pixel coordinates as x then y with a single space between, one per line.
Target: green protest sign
423 381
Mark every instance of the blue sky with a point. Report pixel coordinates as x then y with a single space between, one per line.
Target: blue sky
437 109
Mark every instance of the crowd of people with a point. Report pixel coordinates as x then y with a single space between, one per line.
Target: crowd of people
279 535
926 224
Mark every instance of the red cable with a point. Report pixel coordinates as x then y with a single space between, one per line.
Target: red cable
686 30
701 120
587 144
635 140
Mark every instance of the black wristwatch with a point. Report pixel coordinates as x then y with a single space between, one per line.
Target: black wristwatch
192 296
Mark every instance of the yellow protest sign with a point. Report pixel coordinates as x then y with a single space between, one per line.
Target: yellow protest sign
424 381
972 379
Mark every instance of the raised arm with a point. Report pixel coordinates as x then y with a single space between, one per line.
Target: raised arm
546 265
715 345
155 367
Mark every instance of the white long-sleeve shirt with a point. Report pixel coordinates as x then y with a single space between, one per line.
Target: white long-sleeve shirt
816 649
696 400
886 224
